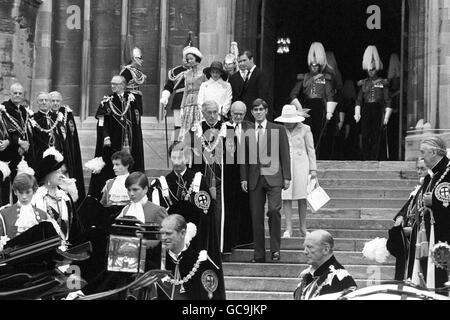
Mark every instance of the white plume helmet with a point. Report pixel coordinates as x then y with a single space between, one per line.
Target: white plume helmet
24 168
317 54
53 152
372 59
394 67
137 53
234 50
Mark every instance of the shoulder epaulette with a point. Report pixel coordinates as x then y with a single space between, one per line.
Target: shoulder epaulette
328 77
301 76
361 83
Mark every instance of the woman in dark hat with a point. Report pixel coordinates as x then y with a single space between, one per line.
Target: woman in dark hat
51 198
216 89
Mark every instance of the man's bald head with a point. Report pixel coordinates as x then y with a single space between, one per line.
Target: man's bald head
56 99
238 111
17 93
323 237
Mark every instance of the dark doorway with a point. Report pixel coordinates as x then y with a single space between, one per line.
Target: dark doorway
342 28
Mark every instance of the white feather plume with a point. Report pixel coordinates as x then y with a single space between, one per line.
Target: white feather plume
371 56
4 168
53 152
95 165
376 250
191 232
24 168
317 54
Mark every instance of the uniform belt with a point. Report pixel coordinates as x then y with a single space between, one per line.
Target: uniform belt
372 101
314 96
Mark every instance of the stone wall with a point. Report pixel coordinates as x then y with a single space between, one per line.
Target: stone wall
17 36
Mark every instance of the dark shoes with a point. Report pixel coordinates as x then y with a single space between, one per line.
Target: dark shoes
276 256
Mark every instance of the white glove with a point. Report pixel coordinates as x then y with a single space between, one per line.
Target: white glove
357 114
165 95
329 116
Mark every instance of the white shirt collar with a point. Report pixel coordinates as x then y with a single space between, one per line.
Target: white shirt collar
264 125
176 256
182 173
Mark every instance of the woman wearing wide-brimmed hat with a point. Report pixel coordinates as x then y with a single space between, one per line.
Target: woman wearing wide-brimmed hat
216 89
190 110
51 198
303 163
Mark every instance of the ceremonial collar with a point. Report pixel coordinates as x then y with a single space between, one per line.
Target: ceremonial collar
181 174
441 165
212 126
324 267
175 256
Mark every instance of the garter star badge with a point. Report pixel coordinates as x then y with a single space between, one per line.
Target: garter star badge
203 201
442 193
210 282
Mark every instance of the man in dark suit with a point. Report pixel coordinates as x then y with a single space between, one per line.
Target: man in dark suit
266 173
249 84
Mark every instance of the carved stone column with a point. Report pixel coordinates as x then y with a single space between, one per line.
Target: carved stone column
17 35
216 29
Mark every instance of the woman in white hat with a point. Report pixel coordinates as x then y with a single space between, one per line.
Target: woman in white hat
190 110
303 163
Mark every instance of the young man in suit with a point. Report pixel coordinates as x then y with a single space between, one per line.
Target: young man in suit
266 173
249 84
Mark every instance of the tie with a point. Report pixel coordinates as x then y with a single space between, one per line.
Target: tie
180 188
259 140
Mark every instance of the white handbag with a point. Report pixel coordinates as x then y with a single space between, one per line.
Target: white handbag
317 197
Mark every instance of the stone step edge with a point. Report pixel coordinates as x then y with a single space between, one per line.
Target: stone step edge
347 266
289 279
296 251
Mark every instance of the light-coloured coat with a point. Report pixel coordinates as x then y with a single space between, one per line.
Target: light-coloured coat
303 160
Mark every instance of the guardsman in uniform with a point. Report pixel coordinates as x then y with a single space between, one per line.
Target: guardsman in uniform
373 105
175 85
315 90
135 77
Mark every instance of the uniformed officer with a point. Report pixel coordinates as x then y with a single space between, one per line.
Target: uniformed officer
135 77
315 89
175 85
373 105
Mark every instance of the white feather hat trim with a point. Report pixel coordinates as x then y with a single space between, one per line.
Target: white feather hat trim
4 168
53 152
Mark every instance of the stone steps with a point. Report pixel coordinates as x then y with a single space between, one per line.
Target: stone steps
351 224
364 203
345 233
339 244
387 184
276 284
365 174
375 193
298 257
293 270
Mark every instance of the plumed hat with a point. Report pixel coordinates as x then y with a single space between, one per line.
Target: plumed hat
192 50
317 55
372 59
47 165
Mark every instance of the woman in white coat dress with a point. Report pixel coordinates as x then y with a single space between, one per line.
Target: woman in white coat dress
303 163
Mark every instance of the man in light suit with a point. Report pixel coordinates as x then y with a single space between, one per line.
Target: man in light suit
249 84
266 173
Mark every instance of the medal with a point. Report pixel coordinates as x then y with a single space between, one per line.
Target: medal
442 193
